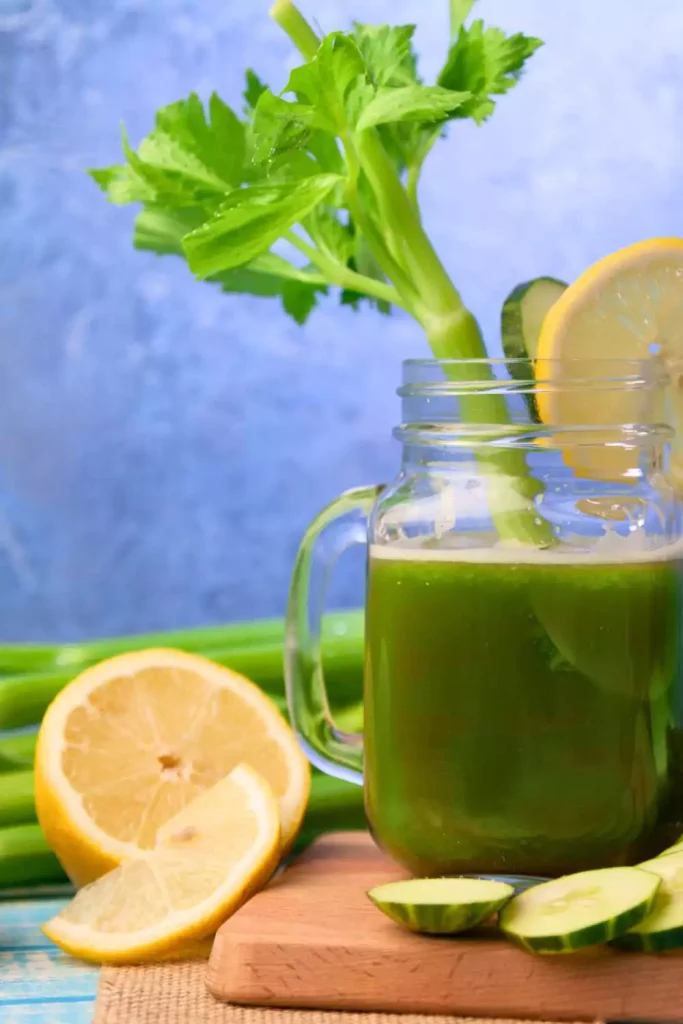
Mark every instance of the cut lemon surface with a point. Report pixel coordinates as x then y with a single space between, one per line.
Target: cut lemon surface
627 306
131 741
209 859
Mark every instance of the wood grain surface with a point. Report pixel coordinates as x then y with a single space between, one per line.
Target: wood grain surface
313 939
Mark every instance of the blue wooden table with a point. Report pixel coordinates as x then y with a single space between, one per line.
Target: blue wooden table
37 982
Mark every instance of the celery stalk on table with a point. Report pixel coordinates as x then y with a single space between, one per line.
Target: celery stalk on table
17 804
24 698
252 634
26 859
17 751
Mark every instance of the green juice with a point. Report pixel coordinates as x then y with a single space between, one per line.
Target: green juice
522 717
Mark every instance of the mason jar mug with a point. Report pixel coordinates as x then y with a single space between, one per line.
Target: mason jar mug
523 684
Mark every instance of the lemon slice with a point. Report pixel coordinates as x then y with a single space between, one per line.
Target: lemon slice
209 860
131 741
627 306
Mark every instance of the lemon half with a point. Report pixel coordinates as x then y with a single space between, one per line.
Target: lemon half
131 741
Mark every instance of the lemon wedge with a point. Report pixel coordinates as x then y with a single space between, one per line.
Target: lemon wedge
209 859
131 741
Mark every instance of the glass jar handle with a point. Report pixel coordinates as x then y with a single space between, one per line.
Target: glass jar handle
341 525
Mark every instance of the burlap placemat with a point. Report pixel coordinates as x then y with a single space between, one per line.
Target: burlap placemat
176 994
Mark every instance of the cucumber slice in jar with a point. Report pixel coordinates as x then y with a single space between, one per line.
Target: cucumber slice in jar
581 910
663 928
522 317
524 311
441 906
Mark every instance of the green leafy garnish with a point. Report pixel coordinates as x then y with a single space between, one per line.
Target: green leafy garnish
390 59
326 170
486 63
420 103
253 89
315 187
252 219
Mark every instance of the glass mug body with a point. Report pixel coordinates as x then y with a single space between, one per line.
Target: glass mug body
523 678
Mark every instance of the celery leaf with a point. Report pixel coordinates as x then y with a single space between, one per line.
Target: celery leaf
186 160
251 220
486 63
186 154
334 85
332 238
253 88
267 276
122 184
162 231
280 126
388 53
423 103
271 276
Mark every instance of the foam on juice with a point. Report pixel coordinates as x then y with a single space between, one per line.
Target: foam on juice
611 549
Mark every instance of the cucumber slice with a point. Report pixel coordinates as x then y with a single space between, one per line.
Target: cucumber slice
524 311
522 317
441 906
663 928
580 910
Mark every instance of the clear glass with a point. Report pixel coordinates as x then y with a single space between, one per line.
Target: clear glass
524 626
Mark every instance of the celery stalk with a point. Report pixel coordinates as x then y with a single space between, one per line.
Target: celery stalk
16 658
297 28
334 806
25 698
17 751
26 859
16 798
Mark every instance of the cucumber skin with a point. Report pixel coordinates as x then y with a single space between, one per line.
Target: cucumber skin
438 920
596 935
512 334
511 321
658 940
651 942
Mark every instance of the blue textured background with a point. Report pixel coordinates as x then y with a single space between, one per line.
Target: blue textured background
163 446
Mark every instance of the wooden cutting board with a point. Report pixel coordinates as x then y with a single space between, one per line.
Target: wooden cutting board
313 939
